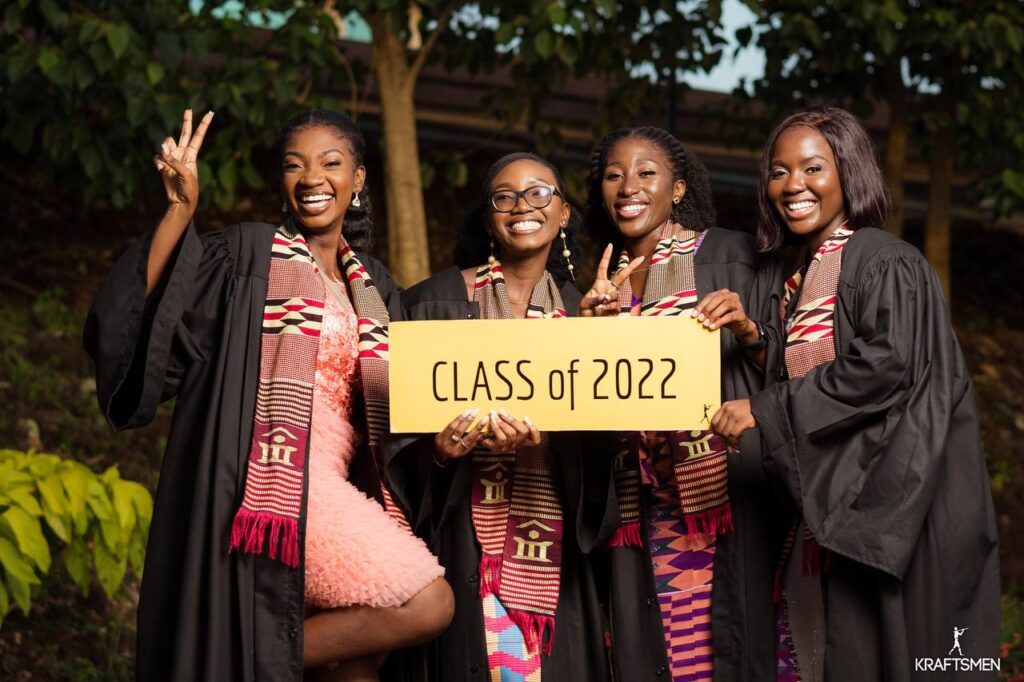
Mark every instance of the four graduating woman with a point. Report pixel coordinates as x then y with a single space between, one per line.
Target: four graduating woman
832 524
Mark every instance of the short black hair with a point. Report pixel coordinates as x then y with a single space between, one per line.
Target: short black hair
472 242
358 226
865 195
696 211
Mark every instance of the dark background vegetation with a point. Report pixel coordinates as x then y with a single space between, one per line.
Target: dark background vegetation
89 88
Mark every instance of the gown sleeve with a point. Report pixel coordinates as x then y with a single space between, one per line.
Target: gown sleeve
859 441
143 348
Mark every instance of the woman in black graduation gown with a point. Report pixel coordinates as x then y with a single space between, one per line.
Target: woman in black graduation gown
514 260
232 324
686 520
893 542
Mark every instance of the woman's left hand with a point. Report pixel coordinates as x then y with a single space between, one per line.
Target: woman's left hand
723 308
732 419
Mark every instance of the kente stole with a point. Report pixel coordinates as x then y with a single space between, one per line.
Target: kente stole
516 503
292 316
686 471
810 341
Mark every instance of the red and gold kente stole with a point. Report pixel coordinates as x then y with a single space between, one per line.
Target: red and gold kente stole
699 463
292 316
516 497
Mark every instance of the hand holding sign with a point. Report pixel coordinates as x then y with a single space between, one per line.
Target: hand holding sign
603 297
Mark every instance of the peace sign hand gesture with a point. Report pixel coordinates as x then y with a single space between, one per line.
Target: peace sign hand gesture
603 297
177 163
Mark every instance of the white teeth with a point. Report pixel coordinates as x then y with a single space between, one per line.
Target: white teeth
800 205
632 208
525 226
314 198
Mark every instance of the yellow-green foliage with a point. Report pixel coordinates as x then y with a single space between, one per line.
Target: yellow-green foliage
49 504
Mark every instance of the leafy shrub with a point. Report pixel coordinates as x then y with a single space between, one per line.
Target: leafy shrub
50 504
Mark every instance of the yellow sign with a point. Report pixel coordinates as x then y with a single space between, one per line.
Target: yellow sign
574 374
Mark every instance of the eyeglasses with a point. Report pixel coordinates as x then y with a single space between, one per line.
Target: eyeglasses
538 196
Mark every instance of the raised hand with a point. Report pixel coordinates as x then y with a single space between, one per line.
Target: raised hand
177 163
723 308
603 297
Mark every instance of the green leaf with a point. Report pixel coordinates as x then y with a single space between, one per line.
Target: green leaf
57 523
18 64
24 499
110 567
75 478
49 59
21 590
227 175
5 602
122 495
556 14
54 16
154 72
14 564
98 501
76 560
117 37
607 5
544 43
29 533
1014 181
505 33
43 465
137 552
251 177
52 493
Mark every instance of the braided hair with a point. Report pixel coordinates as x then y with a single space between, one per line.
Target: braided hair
472 243
358 226
695 211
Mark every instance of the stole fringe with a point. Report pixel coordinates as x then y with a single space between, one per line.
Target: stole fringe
710 522
490 574
816 558
249 529
626 535
533 625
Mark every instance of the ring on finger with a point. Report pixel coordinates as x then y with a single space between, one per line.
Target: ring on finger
456 437
462 443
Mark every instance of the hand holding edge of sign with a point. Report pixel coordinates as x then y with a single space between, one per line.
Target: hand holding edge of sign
733 418
458 438
507 433
723 308
603 297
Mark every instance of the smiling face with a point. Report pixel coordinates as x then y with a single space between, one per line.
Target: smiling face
526 230
638 187
804 185
319 173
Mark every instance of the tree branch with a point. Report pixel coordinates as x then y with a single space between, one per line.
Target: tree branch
435 35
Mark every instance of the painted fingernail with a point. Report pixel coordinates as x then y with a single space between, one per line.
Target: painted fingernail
465 413
527 421
163 145
503 413
474 412
694 313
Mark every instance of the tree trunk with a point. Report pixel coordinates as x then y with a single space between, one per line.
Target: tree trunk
940 182
408 256
896 152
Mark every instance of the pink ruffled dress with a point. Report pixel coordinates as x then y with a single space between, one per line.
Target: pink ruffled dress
355 553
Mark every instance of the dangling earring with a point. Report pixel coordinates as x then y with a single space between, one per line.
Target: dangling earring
491 259
284 206
566 253
355 200
676 200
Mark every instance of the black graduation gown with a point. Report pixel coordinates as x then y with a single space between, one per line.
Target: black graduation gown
440 502
880 452
742 616
203 614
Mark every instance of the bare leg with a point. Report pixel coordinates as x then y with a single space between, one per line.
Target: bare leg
359 631
356 670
